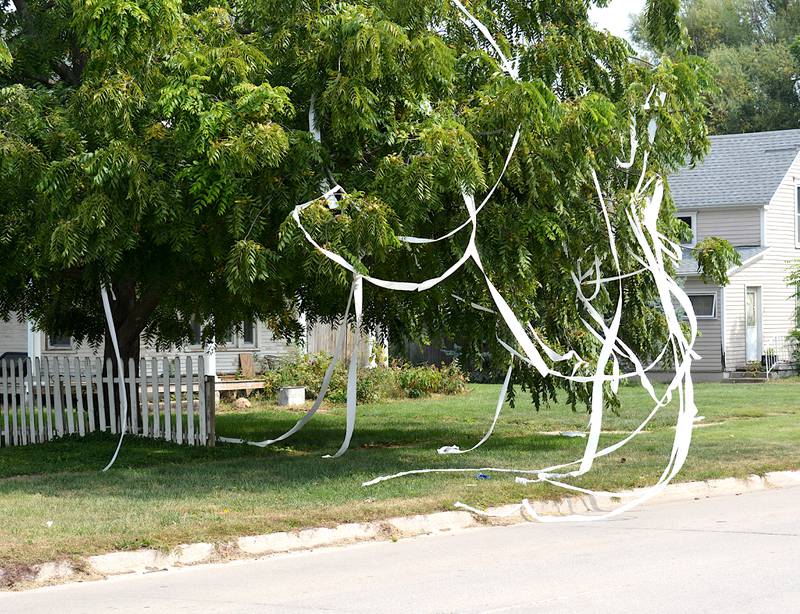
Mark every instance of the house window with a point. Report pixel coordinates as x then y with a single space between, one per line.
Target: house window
704 305
59 342
233 340
248 334
197 333
690 219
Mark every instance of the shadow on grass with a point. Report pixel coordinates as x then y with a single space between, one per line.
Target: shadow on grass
155 470
388 439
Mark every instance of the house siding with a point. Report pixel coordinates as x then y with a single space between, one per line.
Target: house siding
740 225
769 273
709 340
13 336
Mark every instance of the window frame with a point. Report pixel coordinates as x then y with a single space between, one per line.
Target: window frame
234 341
59 347
692 215
242 341
713 295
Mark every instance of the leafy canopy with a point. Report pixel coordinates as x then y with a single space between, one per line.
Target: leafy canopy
160 146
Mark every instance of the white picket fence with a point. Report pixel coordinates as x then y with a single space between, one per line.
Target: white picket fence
170 399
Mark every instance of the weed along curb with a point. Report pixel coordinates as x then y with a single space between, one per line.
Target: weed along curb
148 561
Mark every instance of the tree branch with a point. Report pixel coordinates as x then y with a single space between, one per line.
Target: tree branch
22 8
69 74
65 73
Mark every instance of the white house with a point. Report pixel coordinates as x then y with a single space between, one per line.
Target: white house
747 190
255 338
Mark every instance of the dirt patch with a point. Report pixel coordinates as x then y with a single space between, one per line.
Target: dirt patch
14 574
384 445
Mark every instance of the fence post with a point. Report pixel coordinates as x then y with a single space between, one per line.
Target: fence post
211 410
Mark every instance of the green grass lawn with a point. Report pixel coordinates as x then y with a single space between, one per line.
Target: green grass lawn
159 495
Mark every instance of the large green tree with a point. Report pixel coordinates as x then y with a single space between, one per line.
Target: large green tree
159 146
141 146
754 48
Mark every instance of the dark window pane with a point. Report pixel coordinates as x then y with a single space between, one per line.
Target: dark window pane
197 333
248 333
703 304
60 341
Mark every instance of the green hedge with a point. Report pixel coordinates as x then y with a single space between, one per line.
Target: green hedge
374 384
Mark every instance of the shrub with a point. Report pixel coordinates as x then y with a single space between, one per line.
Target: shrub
453 379
374 384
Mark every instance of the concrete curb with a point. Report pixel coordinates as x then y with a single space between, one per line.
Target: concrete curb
147 561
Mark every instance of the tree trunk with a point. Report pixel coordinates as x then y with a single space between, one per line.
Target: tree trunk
130 314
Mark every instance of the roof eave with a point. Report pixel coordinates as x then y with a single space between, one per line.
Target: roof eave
731 271
730 206
746 263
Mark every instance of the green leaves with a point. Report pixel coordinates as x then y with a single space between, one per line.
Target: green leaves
247 262
162 146
5 56
661 23
715 257
147 155
262 102
125 27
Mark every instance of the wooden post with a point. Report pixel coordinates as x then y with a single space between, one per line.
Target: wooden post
101 406
79 395
145 398
6 394
178 401
190 401
155 397
211 417
89 393
37 373
167 399
133 409
113 404
19 382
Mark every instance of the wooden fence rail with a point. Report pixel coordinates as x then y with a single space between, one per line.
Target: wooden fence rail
170 399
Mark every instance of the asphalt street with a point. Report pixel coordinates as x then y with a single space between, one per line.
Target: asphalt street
727 554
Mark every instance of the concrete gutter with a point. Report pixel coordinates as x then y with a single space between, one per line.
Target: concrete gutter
254 546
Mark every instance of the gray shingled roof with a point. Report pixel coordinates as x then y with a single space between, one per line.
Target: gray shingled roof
688 266
740 169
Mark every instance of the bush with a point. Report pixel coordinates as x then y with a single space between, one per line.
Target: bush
374 384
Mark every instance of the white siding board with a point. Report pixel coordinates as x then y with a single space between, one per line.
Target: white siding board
13 336
739 225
